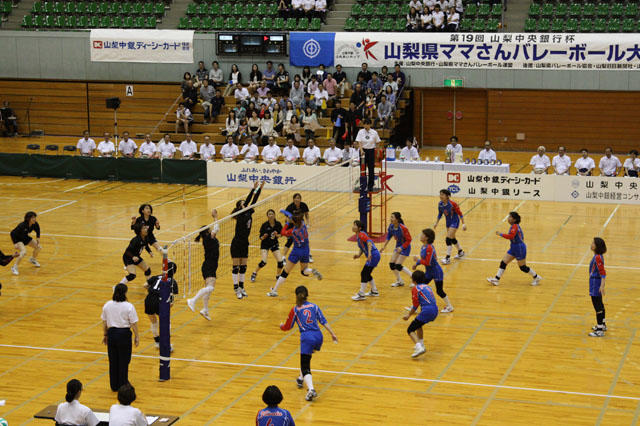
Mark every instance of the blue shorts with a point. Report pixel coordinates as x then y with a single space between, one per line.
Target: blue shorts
375 259
310 341
299 255
428 315
405 251
453 223
434 274
594 286
519 251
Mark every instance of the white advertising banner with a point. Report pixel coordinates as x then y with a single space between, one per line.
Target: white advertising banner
598 189
156 46
489 50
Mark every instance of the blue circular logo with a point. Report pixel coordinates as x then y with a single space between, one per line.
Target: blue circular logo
311 48
454 189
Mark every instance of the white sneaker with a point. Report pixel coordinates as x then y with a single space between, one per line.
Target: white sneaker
536 280
398 284
494 281
604 327
446 260
253 277
419 350
191 304
272 293
244 292
157 345
34 262
310 259
238 294
14 270
460 255
358 296
205 314
447 309
299 382
597 333
310 395
317 274
372 294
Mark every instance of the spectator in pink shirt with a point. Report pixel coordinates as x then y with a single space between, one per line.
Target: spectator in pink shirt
330 84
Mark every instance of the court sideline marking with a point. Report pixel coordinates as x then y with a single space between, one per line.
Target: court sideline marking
346 373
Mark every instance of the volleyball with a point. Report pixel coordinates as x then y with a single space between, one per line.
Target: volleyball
3 422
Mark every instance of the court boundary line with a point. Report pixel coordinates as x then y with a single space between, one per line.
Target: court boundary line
345 373
58 207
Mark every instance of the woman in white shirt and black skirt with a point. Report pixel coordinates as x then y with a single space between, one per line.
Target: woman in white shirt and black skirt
72 412
119 317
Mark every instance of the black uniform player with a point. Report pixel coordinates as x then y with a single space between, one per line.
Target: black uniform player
131 256
209 266
21 239
152 301
240 242
146 218
297 207
270 231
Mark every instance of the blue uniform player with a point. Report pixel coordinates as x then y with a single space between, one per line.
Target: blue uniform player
433 271
453 217
597 275
517 250
307 315
400 232
273 415
296 229
368 248
421 296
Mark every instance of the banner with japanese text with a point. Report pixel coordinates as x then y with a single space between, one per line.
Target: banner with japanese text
598 189
489 50
155 46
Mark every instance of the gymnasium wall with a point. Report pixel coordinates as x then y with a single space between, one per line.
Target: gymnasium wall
575 119
65 55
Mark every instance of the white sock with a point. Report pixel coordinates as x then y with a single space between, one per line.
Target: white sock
308 271
446 300
421 342
397 274
449 248
532 272
308 381
122 281
199 294
373 286
205 298
280 281
407 271
234 277
499 273
154 329
363 287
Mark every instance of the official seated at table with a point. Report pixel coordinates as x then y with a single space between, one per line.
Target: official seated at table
487 154
249 150
124 414
540 161
311 154
290 153
562 162
409 152
350 153
72 412
632 164
585 164
453 149
333 154
229 151
609 164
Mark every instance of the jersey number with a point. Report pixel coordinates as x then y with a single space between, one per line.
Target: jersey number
307 314
270 422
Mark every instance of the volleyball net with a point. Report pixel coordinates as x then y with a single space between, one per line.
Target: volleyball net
329 195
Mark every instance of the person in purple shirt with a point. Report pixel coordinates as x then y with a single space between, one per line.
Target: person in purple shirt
273 415
397 74
270 75
375 84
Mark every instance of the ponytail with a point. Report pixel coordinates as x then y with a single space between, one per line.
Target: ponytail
73 387
398 217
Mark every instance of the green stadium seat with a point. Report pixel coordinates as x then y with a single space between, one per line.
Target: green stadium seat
48 7
381 10
254 23
278 24
363 24
116 21
356 10
207 23
631 10
617 10
70 8
81 8
291 24
586 25
125 9
571 25
479 25
614 25
350 24
547 10
202 9
602 10
38 22
150 22
243 23
496 10
272 10
195 23
54 21
227 9
92 8
238 9
71 22
230 24
315 25
401 25
588 10
250 10
393 10
267 23
218 23
544 25
600 25
561 10
557 25
492 25
58 8
262 9
375 24
472 10
105 21
137 8
27 21
467 24
82 22
387 24
113 9
94 21
628 25
158 9
303 24
368 9
183 24
37 8
575 10
404 10
529 25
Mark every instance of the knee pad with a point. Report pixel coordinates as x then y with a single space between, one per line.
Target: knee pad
503 265
284 274
454 240
262 264
131 277
398 267
147 272
235 269
280 264
305 364
449 241
525 269
392 266
23 252
243 269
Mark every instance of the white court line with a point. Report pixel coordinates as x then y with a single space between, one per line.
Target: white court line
32 183
346 373
613 213
81 186
33 199
58 207
195 198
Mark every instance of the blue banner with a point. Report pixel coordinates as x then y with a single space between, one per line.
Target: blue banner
311 49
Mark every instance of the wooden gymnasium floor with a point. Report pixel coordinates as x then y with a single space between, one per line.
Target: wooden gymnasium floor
513 354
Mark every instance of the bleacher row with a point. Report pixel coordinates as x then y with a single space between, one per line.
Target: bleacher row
6 6
583 17
211 23
81 14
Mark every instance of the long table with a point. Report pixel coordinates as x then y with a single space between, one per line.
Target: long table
448 167
49 413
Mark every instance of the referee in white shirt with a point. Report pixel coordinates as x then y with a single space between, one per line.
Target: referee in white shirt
106 148
487 154
119 317
127 146
369 139
86 145
72 412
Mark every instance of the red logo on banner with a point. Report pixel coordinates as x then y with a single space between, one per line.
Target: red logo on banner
453 177
97 44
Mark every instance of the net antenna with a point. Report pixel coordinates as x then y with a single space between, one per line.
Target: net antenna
164 314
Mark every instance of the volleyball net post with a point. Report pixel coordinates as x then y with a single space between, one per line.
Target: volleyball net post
164 314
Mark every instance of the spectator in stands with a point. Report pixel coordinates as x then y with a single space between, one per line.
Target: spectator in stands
72 412
460 6
269 75
255 77
270 102
384 112
632 164
207 149
416 4
254 123
413 20
369 105
241 94
561 163
321 97
296 94
202 74
283 8
291 128
124 414
249 150
267 127
229 151
341 79
186 78
350 153
262 90
290 111
308 8
358 97
8 120
216 75
330 84
321 10
278 118
243 129
453 148
390 82
216 105
438 19
190 95
339 120
409 152
585 164
188 147
428 6
540 161
309 122
312 86
311 154
106 148
86 145
354 117
184 117
290 153
306 75
321 73
240 110
271 153
398 74
364 75
390 94
206 96
453 20
375 84
368 140
307 102
231 124
297 9
147 147
424 24
165 148
487 154
609 164
235 78
127 146
333 154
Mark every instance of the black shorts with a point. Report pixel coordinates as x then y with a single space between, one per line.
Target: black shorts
272 247
209 269
152 304
239 248
151 239
17 240
127 260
